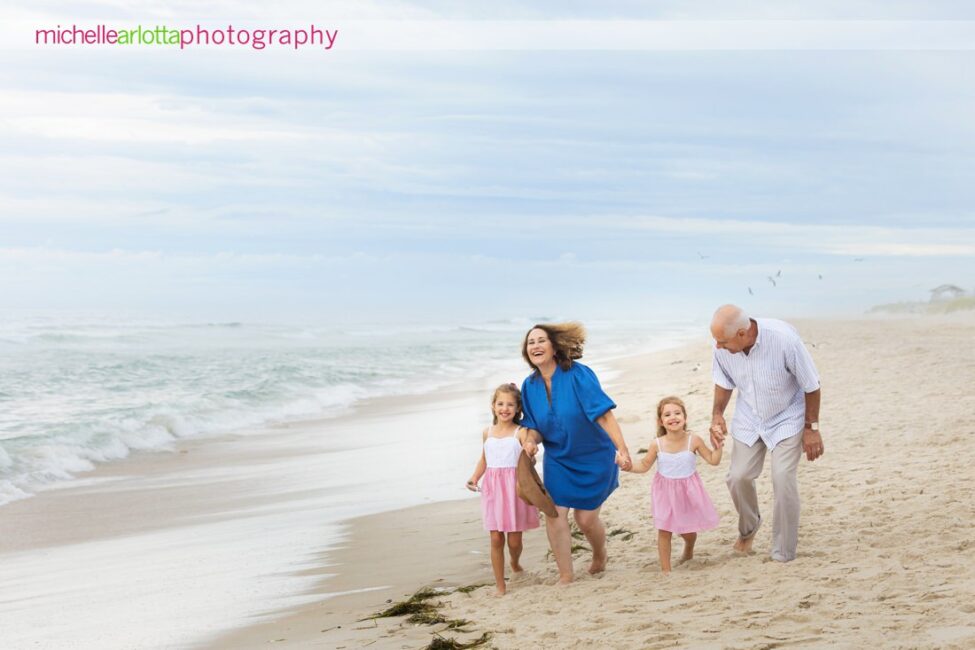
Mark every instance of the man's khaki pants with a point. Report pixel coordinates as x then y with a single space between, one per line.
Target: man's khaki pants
746 465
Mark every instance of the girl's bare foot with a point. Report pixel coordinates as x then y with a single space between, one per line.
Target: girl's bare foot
517 568
500 591
687 556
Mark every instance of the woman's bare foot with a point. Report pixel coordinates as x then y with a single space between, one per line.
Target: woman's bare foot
598 563
744 545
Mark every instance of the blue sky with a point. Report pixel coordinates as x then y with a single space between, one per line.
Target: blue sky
365 185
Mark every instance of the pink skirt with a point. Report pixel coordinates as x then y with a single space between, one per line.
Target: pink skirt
500 505
681 505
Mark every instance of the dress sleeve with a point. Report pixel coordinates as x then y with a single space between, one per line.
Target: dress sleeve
527 416
595 402
718 373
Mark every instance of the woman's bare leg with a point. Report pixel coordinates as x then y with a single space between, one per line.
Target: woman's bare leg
497 560
592 527
560 541
663 547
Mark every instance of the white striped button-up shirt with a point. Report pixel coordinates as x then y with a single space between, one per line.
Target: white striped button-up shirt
772 380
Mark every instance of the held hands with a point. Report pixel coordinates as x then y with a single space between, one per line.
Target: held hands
719 430
812 443
623 459
530 448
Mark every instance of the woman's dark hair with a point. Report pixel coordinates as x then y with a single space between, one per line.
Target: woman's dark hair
567 341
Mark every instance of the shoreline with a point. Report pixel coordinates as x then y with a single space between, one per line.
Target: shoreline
452 530
215 531
388 556
239 499
855 560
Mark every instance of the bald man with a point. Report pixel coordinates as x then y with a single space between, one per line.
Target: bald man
777 411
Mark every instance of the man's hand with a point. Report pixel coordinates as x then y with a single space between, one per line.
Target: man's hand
812 443
719 430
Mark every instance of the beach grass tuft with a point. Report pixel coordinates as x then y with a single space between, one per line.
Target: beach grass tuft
459 624
575 549
440 643
626 535
415 607
428 616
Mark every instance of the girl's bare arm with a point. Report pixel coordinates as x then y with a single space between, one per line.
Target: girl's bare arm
712 456
479 468
643 465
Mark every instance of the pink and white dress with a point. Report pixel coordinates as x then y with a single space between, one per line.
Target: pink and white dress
500 506
680 502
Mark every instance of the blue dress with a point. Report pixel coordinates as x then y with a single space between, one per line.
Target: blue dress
580 459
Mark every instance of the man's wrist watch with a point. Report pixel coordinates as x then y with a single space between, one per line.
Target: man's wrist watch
814 426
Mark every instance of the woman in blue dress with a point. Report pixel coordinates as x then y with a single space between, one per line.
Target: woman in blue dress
566 409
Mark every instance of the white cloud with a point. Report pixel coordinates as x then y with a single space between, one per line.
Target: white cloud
831 238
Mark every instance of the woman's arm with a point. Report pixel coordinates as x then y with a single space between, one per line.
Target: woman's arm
643 465
713 456
480 468
609 424
530 442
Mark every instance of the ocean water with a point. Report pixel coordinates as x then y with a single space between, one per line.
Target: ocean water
75 392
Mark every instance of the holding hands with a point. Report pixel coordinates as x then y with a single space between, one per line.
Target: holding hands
623 459
719 430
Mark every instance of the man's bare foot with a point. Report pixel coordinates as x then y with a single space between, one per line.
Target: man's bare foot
744 545
598 563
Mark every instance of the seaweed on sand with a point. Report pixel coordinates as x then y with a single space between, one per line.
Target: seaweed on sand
440 643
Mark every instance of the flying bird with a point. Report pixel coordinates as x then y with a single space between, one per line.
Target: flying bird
750 292
820 276
779 274
703 257
772 280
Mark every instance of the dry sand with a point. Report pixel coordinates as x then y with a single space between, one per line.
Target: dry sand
885 552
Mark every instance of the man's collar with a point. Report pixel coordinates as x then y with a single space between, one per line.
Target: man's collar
758 337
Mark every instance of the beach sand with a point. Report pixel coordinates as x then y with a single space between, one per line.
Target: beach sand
885 553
